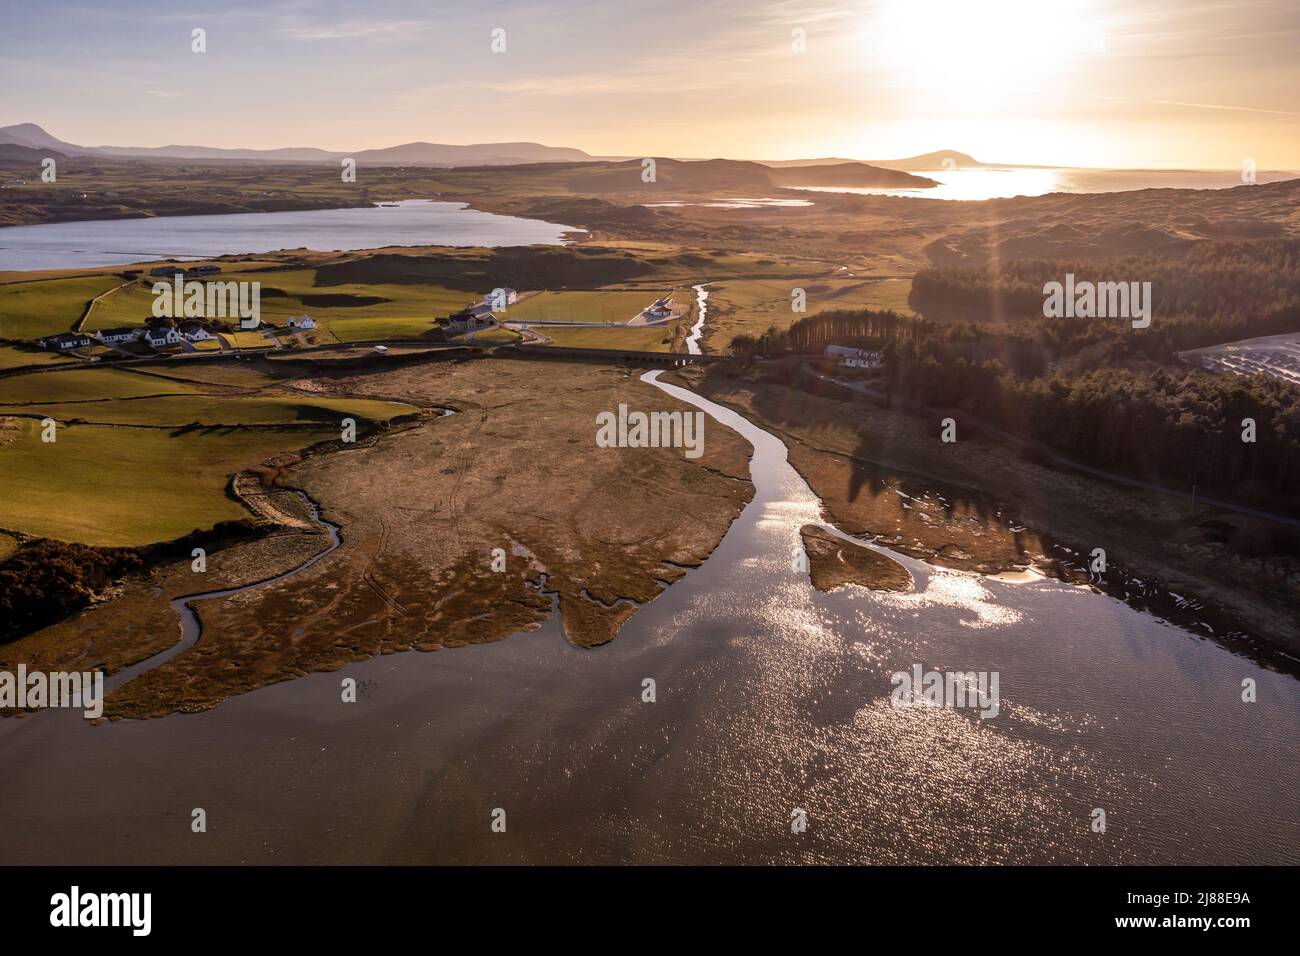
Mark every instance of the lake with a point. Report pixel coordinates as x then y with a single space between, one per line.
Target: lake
977 184
76 245
771 697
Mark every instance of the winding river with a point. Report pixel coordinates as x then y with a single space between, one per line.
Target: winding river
770 697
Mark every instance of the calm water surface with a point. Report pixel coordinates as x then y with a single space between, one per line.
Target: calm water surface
976 184
75 245
771 696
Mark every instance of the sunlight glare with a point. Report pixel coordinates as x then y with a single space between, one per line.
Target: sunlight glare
995 44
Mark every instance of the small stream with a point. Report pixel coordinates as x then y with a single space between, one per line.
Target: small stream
189 621
697 330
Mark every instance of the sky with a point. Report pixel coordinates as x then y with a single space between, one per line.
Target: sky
1110 83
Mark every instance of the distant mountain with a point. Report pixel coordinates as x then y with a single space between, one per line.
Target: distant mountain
940 159
409 154
849 175
718 175
31 135
476 154
671 175
16 153
300 154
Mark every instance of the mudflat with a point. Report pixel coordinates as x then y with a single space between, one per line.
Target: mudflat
878 472
456 530
833 563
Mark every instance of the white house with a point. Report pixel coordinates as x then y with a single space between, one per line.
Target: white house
66 340
662 309
855 358
193 332
162 335
306 322
118 336
471 320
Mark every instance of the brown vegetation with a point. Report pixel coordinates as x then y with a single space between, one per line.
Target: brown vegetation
834 562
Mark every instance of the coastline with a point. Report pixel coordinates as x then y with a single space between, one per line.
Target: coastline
995 513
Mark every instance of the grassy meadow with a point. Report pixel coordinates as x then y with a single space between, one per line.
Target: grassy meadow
13 357
34 309
752 306
85 385
593 306
652 338
348 312
106 485
141 457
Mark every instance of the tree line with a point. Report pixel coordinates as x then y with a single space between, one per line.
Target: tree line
1097 400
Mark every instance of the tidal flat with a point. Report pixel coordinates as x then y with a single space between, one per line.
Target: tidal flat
456 529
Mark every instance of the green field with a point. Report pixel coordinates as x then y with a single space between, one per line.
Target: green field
100 483
103 485
752 306
350 312
81 385
642 339
498 335
598 306
11 357
33 309
230 372
282 409
246 340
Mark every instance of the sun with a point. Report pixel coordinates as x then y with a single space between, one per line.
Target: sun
979 46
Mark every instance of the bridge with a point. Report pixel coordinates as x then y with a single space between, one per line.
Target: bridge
606 355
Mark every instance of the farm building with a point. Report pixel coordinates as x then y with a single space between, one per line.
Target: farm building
855 358
194 332
163 335
66 340
118 336
190 273
662 309
470 320
306 322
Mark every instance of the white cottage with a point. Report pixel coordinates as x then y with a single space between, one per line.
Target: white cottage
118 336
855 358
162 335
193 332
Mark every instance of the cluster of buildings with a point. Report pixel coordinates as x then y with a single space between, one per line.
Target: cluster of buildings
479 316
156 337
854 358
159 336
661 310
190 273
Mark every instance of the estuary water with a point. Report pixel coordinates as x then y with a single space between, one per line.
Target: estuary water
76 245
769 698
1003 183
